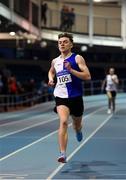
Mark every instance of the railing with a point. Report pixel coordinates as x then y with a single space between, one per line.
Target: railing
13 102
19 101
109 26
94 87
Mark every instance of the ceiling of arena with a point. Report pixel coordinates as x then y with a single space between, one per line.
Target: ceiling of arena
83 1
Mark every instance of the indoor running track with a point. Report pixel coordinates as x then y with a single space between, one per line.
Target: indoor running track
29 148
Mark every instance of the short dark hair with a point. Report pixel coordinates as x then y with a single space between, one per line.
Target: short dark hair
70 36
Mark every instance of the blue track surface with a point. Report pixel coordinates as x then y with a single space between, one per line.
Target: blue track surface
29 148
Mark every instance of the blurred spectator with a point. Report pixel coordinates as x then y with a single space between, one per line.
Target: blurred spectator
1 84
50 93
44 9
43 90
64 18
4 78
12 85
31 90
71 19
67 17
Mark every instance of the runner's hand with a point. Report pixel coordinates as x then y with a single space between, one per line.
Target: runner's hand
51 83
67 65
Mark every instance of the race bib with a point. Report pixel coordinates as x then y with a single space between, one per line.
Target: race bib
64 79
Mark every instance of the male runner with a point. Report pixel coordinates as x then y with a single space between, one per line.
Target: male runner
70 69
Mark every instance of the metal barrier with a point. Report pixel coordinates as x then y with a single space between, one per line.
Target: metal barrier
13 102
94 87
109 26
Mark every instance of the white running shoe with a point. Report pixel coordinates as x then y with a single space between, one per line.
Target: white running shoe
62 158
109 111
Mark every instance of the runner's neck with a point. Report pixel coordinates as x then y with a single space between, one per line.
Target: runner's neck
65 56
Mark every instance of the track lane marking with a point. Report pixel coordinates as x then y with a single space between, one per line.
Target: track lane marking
41 139
29 127
79 147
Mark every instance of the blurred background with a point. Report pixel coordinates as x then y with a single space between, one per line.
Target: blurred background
28 43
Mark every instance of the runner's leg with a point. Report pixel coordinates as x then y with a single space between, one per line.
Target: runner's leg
63 113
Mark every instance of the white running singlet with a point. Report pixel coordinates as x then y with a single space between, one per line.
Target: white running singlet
67 85
111 86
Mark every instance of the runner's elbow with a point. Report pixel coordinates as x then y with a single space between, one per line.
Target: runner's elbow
88 77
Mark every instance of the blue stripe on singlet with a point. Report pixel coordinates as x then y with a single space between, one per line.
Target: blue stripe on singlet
74 88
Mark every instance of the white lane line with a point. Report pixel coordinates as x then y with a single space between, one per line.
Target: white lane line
29 145
16 114
78 148
34 125
41 139
8 116
22 120
29 127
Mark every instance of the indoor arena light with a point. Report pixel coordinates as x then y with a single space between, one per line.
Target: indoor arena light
12 33
97 0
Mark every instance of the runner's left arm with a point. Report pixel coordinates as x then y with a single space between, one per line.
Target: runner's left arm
84 74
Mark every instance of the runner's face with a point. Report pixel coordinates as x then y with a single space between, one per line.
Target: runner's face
111 71
64 45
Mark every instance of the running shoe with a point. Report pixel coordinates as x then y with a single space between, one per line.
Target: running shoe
62 158
79 136
109 111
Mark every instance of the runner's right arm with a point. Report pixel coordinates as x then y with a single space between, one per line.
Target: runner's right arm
51 75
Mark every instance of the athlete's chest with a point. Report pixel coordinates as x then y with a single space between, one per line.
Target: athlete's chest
63 75
59 66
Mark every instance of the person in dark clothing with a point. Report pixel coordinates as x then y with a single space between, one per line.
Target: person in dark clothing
4 91
71 19
64 18
44 9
